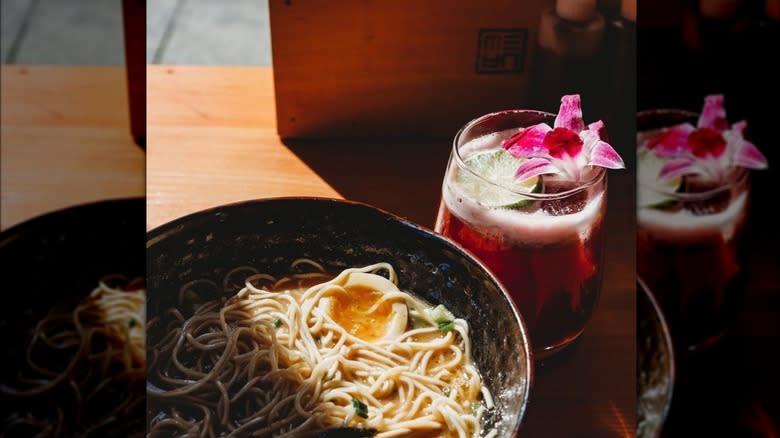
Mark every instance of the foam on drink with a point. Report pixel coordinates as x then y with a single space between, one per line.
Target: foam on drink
684 227
519 227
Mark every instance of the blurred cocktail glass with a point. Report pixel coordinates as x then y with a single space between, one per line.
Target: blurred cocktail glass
526 192
693 193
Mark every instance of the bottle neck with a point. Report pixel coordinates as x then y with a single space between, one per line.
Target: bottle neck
576 10
772 10
720 10
571 38
628 10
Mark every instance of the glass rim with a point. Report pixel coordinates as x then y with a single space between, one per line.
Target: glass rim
737 177
599 172
674 111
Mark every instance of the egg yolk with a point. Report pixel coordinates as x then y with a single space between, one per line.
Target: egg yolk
350 311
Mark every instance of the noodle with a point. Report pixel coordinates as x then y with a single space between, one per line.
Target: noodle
297 355
84 367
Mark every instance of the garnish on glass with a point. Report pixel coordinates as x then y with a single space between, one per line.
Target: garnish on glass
568 149
564 153
709 153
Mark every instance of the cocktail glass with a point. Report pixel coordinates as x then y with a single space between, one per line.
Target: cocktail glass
693 194
542 237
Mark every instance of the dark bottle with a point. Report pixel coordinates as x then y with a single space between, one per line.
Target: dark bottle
609 8
766 86
567 57
620 53
660 75
758 97
715 36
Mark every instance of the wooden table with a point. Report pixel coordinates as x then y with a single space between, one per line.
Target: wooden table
212 140
65 140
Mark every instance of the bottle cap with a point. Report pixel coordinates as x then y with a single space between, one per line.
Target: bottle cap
575 10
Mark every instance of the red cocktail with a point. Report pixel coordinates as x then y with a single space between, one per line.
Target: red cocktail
693 193
539 229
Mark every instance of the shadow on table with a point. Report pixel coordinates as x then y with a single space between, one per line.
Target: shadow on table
402 177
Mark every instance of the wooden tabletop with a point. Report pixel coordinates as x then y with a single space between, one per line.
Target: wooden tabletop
212 140
65 140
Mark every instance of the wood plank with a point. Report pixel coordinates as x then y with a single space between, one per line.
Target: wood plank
212 140
57 96
370 68
210 96
65 140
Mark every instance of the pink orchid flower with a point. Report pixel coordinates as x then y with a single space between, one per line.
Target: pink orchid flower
710 149
567 148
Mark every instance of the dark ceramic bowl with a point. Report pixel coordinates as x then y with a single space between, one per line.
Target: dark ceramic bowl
269 234
56 259
655 365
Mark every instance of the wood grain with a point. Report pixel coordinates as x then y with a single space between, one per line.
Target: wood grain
370 68
65 140
212 141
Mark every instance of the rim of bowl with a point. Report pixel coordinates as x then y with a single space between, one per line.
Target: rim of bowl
159 233
667 339
16 230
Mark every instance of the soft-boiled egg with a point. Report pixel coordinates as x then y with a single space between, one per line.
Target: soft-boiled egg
354 309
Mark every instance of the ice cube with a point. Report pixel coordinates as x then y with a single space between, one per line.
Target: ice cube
714 202
573 203
560 207
711 205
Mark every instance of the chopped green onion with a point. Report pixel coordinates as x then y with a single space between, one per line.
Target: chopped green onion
440 314
446 326
446 391
360 408
419 323
278 322
475 408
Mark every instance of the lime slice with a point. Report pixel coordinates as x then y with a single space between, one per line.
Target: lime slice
497 166
651 189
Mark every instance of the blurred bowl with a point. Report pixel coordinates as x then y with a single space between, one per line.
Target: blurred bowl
655 365
70 249
56 259
269 234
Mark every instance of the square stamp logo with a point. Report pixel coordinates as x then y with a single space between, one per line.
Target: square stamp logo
501 51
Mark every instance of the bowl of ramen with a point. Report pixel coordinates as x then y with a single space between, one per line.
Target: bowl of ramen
323 317
655 365
74 357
